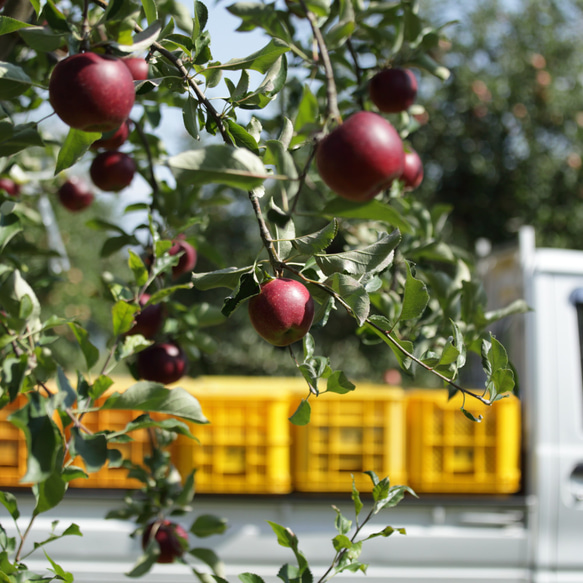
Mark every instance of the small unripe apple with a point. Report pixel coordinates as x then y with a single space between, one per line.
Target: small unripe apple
112 170
413 170
171 538
148 321
283 311
75 195
113 140
91 92
138 67
187 260
393 90
10 187
162 363
361 157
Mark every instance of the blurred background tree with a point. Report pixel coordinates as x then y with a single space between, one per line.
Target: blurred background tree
504 142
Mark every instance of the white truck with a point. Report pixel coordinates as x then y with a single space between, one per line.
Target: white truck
534 536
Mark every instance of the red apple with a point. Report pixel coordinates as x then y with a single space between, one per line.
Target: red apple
138 67
187 260
171 538
112 170
162 363
75 195
148 321
113 140
10 187
413 171
91 92
283 311
361 157
393 90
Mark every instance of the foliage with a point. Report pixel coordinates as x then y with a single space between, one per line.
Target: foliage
386 263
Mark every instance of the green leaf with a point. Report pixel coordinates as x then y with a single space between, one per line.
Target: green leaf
13 81
353 293
190 115
374 210
318 241
342 524
75 145
49 493
14 138
415 298
340 542
91 448
65 388
242 137
261 60
13 374
358 505
208 525
228 277
250 578
145 561
247 288
10 226
8 25
99 386
150 10
42 38
123 315
148 396
145 421
62 575
372 259
9 502
339 383
236 167
301 415
210 558
138 268
90 352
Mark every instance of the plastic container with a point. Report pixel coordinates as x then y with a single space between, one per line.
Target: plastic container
348 435
13 452
246 447
449 453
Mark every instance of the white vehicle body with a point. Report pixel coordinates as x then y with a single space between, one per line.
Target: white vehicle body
532 537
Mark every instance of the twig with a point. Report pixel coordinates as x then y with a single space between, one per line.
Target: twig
332 110
153 182
265 234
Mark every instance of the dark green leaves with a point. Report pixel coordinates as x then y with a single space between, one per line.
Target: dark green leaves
207 525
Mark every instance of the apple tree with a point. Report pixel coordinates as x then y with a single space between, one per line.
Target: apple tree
308 137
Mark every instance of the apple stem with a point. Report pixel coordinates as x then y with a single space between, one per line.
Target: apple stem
332 110
266 237
302 178
357 69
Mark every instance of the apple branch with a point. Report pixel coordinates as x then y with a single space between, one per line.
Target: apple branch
266 237
332 110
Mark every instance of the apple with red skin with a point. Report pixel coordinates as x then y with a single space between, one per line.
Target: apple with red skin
112 170
75 195
172 539
9 187
138 67
413 171
113 140
162 363
283 311
393 90
187 260
149 320
361 157
91 92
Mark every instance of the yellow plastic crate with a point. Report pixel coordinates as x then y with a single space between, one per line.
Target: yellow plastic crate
246 447
13 450
448 453
348 435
